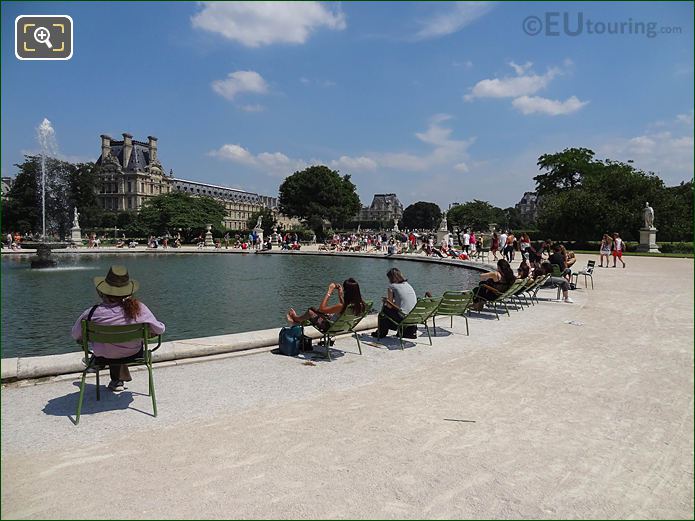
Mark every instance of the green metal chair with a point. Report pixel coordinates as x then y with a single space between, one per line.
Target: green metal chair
424 309
92 332
454 303
502 296
344 324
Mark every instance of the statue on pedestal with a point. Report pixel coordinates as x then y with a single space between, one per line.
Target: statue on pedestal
75 222
648 214
258 223
444 226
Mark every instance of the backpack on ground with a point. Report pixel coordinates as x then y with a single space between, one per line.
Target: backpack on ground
290 340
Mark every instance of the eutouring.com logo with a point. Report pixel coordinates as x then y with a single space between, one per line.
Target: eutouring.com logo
555 23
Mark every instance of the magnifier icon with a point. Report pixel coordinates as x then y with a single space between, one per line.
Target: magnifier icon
43 35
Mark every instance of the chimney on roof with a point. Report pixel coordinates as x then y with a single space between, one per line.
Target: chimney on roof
105 146
127 149
152 146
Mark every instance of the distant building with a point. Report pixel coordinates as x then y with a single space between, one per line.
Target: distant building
528 207
384 207
130 173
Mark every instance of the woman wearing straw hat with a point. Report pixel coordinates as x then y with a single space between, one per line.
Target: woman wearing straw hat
118 307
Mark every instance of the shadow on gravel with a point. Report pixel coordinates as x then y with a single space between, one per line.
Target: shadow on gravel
67 405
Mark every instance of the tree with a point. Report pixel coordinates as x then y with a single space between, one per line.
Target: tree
318 193
476 215
584 197
564 170
422 215
177 210
268 221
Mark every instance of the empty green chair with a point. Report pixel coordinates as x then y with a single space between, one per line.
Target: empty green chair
424 309
454 304
344 324
92 332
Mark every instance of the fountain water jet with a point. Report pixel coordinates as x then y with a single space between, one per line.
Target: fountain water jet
49 146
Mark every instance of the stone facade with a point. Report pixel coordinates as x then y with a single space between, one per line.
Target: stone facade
384 207
130 173
528 207
239 204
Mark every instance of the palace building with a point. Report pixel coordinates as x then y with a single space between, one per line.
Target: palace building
131 173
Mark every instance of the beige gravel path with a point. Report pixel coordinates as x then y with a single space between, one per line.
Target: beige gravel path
529 417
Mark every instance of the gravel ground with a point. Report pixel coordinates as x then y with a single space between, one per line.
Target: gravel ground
528 417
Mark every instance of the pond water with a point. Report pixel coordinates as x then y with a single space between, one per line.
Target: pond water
194 295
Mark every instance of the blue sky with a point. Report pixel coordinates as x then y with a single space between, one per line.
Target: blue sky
434 101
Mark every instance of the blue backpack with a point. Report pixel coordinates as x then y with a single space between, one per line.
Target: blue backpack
290 340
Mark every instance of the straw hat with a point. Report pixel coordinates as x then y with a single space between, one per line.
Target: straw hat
117 283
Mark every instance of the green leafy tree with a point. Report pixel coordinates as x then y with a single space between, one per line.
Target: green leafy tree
591 197
267 221
476 215
563 170
179 211
84 185
422 216
318 193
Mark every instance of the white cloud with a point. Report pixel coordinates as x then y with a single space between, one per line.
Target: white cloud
360 163
520 69
240 82
255 24
273 163
453 18
668 154
533 104
513 86
685 118
445 152
235 153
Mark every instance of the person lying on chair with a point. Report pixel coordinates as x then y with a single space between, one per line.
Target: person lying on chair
348 295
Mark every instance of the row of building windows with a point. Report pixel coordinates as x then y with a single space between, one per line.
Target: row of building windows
112 188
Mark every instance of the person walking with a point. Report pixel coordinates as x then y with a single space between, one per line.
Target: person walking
605 249
618 249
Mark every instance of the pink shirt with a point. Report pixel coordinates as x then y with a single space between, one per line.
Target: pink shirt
114 315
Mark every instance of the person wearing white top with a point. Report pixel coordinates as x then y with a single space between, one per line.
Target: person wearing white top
466 241
618 249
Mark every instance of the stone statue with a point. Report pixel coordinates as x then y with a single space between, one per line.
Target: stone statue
648 213
444 227
75 223
395 225
258 222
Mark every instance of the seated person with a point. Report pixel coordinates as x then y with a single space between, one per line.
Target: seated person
558 258
399 301
118 307
132 244
492 284
547 269
524 270
349 295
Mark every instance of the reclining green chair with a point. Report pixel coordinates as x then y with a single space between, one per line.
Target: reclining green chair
503 296
454 303
92 332
424 309
344 324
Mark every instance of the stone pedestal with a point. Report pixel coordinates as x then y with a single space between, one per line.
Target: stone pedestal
208 235
442 235
76 236
647 240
